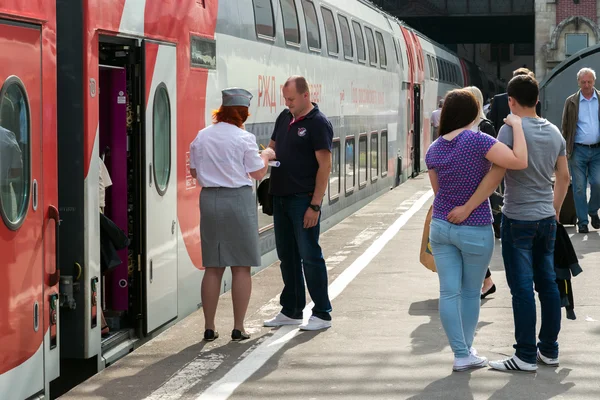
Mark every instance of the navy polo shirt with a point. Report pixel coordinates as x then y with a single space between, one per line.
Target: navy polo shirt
295 145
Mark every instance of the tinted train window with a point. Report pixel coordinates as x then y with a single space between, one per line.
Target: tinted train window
350 170
312 25
374 155
290 21
263 17
15 156
360 41
439 69
381 48
371 46
384 153
335 176
346 37
330 31
162 138
362 160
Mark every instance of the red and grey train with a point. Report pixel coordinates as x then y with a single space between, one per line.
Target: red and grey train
128 83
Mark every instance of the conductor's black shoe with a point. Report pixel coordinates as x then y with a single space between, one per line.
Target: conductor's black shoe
237 335
210 335
595 221
584 229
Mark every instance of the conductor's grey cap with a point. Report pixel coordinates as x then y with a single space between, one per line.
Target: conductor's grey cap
236 97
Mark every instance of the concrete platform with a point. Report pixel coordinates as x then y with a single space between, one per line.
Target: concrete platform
386 341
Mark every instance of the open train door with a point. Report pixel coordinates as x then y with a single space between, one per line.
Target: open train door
417 130
27 224
160 63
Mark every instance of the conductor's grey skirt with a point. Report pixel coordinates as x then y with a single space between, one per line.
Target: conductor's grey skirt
229 227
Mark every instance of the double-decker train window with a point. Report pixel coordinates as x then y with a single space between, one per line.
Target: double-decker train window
15 152
371 46
346 37
291 29
350 175
384 153
360 42
161 124
362 160
381 48
374 156
335 176
333 47
312 25
263 17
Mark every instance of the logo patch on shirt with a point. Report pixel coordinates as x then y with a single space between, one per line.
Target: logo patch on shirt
301 132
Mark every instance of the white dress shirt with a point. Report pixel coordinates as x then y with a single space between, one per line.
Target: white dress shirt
223 155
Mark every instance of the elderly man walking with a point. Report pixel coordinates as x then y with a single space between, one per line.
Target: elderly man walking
581 129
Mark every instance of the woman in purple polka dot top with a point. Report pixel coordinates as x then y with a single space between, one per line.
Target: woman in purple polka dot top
457 162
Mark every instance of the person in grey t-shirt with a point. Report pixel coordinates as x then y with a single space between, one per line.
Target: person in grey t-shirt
531 210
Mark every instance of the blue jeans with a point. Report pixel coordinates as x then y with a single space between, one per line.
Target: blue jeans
298 249
528 252
585 165
462 255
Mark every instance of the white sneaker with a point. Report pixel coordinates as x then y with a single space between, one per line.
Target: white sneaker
473 351
472 361
315 324
280 320
551 362
513 364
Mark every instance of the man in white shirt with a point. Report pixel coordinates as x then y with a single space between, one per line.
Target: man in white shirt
435 119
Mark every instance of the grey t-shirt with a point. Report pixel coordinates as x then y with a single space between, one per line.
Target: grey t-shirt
528 195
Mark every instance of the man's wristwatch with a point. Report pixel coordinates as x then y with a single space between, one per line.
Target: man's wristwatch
315 208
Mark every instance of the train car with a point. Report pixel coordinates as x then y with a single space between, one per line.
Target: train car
28 199
133 91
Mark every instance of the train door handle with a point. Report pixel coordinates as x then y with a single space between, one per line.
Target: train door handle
54 214
150 174
151 272
173 227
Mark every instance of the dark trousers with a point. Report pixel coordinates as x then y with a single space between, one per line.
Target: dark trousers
301 258
528 252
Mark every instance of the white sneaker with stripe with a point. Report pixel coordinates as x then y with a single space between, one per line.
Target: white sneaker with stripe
551 362
513 364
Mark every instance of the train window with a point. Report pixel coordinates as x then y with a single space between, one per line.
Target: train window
330 32
161 125
396 48
430 67
362 160
291 28
384 153
312 25
439 69
435 68
346 37
360 42
335 176
15 157
381 47
400 54
350 177
374 156
263 17
371 46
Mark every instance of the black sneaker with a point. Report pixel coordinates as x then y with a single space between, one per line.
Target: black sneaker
584 229
595 221
237 335
210 335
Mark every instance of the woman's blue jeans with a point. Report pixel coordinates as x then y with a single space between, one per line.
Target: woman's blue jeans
462 255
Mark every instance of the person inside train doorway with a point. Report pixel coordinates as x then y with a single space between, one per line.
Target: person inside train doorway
224 158
302 140
581 130
530 214
435 118
500 109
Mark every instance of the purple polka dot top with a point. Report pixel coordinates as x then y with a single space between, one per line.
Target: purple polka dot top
460 164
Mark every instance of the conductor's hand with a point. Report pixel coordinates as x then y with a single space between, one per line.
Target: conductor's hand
269 153
311 217
458 215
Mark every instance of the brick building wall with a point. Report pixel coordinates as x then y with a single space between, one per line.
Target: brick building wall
555 19
568 8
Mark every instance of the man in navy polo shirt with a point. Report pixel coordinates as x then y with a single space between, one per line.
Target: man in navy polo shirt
302 141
